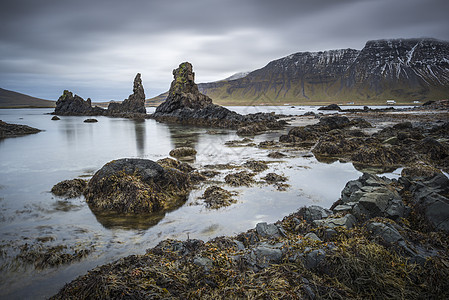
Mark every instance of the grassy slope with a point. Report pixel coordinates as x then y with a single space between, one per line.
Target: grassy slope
10 99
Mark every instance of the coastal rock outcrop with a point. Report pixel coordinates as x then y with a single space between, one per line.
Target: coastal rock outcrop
186 105
12 130
135 102
134 106
132 185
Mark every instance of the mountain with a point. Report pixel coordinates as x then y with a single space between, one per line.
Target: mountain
402 69
10 99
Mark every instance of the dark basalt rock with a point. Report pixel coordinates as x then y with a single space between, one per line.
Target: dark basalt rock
55 118
12 130
90 121
330 107
135 102
133 107
186 105
132 185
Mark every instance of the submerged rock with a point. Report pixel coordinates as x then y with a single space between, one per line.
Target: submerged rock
12 130
240 179
132 185
90 121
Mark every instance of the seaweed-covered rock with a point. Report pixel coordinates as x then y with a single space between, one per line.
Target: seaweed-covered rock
242 178
173 163
183 152
132 185
12 130
215 197
70 188
273 178
256 165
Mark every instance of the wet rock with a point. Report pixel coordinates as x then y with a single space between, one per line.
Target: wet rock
173 163
90 121
330 107
209 173
419 170
215 197
314 212
12 130
347 221
240 179
385 231
377 155
266 253
314 258
273 178
183 152
276 154
132 185
433 149
55 118
312 236
135 104
256 165
268 230
70 188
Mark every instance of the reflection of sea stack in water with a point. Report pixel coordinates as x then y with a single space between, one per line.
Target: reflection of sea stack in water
186 105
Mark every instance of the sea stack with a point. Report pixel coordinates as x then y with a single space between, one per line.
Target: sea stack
135 102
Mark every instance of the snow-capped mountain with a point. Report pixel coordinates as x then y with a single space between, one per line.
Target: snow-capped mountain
402 69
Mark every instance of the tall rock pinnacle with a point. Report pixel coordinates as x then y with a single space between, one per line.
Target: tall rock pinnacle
135 102
184 92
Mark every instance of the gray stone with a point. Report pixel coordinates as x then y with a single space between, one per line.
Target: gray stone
342 207
312 236
315 212
347 221
204 262
267 230
266 254
313 258
386 231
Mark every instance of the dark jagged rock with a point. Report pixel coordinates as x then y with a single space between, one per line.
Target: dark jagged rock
69 105
135 102
186 105
330 107
136 186
134 106
12 130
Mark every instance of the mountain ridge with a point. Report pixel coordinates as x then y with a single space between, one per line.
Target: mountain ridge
402 69
15 99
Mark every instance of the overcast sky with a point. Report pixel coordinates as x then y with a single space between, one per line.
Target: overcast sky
95 47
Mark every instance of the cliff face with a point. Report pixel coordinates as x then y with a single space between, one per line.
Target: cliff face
408 69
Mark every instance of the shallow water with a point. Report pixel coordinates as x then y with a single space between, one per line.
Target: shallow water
67 149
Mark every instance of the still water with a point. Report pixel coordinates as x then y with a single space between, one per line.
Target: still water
69 148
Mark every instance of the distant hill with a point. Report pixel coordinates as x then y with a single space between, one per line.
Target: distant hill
403 70
10 99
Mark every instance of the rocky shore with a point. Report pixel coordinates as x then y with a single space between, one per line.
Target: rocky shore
382 238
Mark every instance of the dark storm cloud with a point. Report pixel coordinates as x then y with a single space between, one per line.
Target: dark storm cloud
96 47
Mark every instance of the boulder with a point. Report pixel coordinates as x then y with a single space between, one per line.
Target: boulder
268 230
70 188
132 185
55 118
314 212
183 152
347 221
90 121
